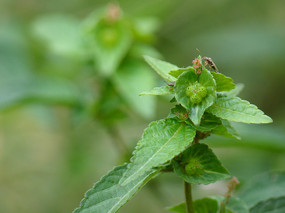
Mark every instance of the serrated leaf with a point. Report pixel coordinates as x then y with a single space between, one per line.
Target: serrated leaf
131 78
165 90
176 73
273 205
206 205
208 123
195 110
235 109
161 141
263 187
199 165
180 208
223 83
107 196
162 68
226 130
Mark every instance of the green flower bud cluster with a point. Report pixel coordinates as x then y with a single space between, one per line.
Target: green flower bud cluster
194 168
196 92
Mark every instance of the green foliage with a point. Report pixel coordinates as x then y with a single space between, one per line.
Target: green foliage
101 198
162 68
165 90
205 205
263 187
199 165
195 110
224 83
206 102
276 205
235 109
161 141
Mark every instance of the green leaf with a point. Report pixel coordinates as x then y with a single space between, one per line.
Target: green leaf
180 208
109 43
273 205
236 205
226 130
235 109
161 141
208 123
223 82
196 110
107 196
206 205
178 72
132 78
162 68
165 90
60 33
234 92
199 165
263 187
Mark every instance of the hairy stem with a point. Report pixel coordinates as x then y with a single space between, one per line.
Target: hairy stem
188 197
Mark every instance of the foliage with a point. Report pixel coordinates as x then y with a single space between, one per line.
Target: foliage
173 144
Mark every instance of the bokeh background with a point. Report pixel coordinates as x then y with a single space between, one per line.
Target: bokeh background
60 127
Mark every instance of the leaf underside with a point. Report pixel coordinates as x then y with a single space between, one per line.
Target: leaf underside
161 141
273 205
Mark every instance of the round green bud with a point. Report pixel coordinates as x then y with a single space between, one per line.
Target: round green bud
202 91
195 98
194 168
190 90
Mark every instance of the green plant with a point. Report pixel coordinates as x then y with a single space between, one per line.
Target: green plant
206 103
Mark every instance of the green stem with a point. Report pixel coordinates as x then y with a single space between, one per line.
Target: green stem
188 197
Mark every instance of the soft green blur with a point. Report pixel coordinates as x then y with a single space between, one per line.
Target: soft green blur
52 149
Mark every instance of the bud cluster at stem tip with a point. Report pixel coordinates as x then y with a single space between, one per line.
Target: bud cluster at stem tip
196 92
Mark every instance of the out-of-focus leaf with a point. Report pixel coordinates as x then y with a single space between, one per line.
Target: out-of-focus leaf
161 141
226 130
263 187
206 205
145 27
61 34
199 165
165 90
109 43
223 83
162 68
107 196
236 205
273 205
267 138
180 208
235 109
132 78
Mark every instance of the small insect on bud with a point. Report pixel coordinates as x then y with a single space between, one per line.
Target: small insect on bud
210 63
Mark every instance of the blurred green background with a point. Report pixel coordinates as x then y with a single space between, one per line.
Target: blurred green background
60 127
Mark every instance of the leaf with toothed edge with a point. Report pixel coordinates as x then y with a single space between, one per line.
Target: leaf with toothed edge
238 110
107 196
161 141
223 82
